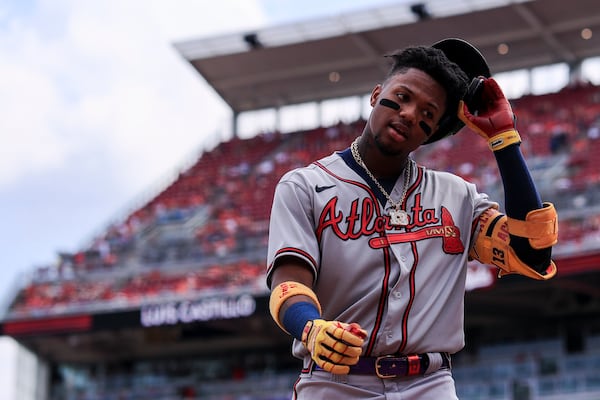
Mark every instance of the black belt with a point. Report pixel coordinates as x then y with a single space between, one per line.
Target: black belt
392 366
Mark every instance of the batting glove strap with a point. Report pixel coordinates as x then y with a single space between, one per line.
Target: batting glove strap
333 345
504 139
540 227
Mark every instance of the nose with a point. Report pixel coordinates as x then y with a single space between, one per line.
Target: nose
408 112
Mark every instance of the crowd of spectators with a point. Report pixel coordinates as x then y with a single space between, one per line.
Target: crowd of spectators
198 231
39 298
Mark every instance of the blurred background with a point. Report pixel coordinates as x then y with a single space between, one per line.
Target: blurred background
141 142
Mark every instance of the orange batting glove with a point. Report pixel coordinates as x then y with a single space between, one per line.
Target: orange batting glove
333 345
495 120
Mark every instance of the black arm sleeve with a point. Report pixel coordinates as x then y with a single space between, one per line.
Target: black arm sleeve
521 196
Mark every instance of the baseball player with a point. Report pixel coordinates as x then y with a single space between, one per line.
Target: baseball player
368 250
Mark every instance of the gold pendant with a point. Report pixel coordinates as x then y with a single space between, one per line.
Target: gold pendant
398 217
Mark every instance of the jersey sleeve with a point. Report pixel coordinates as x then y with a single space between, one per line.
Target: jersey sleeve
292 224
481 202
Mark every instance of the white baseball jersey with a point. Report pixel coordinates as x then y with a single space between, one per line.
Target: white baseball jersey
403 284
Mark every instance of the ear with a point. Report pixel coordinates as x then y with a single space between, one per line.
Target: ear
375 94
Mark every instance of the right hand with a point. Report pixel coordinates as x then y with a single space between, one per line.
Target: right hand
494 117
334 345
495 121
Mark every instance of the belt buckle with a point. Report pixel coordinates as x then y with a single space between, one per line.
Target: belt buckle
378 367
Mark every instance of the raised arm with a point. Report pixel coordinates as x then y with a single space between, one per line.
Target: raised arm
520 241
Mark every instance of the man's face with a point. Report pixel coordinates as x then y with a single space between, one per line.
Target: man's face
419 105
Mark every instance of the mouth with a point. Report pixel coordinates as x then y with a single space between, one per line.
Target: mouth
400 129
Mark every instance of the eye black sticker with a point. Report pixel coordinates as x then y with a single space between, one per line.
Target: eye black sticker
389 103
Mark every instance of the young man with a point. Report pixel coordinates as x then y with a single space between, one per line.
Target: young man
368 251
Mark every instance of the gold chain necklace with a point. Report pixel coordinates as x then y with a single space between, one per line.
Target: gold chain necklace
398 217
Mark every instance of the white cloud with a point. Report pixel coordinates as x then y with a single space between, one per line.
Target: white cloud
188 19
107 78
28 101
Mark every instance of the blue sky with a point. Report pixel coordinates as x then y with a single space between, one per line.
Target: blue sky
98 110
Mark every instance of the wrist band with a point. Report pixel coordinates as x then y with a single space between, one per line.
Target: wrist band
297 315
504 139
284 291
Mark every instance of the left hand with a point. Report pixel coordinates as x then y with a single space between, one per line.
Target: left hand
334 345
495 119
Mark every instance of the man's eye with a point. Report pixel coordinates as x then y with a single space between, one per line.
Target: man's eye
401 96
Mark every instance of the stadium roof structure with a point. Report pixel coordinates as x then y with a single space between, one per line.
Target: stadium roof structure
340 56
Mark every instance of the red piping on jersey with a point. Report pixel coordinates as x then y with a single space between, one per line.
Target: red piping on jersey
386 256
382 301
413 269
302 253
411 298
295 396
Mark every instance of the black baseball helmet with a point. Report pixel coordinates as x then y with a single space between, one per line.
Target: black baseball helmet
472 62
